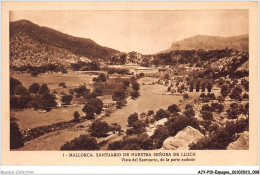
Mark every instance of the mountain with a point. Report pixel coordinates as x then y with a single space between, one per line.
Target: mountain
26 35
197 42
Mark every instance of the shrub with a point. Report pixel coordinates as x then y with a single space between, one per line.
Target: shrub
161 114
44 89
116 145
176 124
81 91
186 96
132 118
115 127
207 115
93 106
83 142
16 138
62 84
76 116
134 94
135 86
138 128
150 112
99 128
225 90
203 95
189 112
118 95
173 109
66 99
160 134
121 103
34 88
206 107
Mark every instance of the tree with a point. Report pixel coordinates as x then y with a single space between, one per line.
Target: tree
83 142
207 115
13 84
126 83
198 86
121 103
186 96
76 116
101 78
173 109
160 114
203 86
225 90
189 112
99 128
138 128
66 99
98 92
44 89
115 127
118 95
236 93
34 88
93 106
134 94
62 84
150 112
209 86
132 118
191 87
135 86
81 91
16 138
160 134
48 101
178 123
206 107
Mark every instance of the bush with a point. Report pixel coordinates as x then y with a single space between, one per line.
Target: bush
76 116
207 115
66 99
186 96
121 103
160 114
44 89
93 106
101 78
217 107
16 138
81 91
160 134
99 128
150 112
206 107
116 145
176 124
134 94
135 86
132 118
138 128
189 112
203 95
211 96
62 84
119 95
83 142
115 127
34 88
173 109
225 90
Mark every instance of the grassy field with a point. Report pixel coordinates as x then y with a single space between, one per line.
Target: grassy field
152 97
53 79
30 118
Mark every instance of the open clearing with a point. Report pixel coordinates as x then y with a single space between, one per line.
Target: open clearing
29 118
152 97
53 79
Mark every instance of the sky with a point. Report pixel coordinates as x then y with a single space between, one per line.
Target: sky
146 32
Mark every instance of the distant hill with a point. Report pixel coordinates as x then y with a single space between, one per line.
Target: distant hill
239 43
51 41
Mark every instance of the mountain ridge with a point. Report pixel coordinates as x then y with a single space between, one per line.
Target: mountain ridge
207 42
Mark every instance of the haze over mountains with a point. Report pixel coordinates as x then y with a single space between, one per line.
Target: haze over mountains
211 43
36 45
